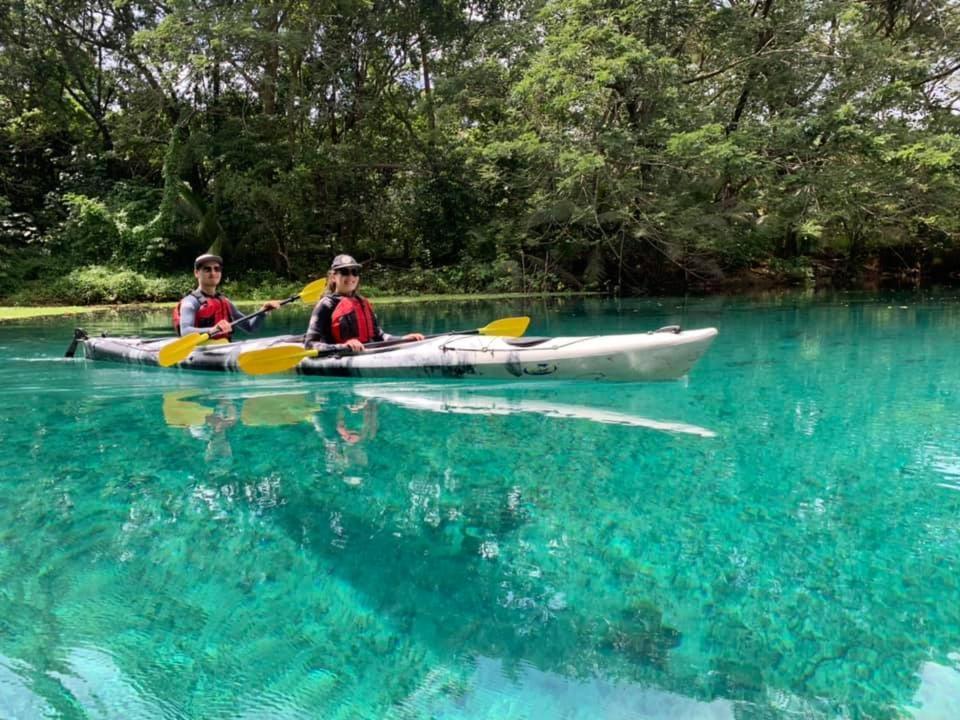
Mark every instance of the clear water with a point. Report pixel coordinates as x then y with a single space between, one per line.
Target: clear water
776 536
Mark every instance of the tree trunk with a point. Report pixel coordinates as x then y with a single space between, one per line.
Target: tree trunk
427 90
763 38
271 63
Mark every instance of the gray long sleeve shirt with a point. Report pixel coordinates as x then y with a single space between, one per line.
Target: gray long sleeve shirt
188 316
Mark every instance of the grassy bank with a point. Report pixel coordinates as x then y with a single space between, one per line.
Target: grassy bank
24 313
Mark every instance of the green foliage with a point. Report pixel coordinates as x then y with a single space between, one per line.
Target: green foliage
133 208
99 284
261 285
623 146
502 275
88 235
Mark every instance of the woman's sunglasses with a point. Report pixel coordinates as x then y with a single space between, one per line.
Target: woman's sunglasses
349 271
211 268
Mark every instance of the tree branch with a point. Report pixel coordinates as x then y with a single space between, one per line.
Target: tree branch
938 76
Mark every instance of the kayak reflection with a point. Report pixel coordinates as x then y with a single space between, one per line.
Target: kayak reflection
467 403
356 419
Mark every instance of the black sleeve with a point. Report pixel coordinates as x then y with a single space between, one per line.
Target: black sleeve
319 335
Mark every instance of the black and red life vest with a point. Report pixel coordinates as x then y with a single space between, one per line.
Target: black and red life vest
352 318
211 311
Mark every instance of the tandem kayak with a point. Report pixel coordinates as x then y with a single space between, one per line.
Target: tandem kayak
664 354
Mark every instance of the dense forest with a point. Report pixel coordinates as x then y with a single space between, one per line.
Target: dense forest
477 145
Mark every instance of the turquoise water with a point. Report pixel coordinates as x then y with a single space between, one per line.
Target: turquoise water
776 536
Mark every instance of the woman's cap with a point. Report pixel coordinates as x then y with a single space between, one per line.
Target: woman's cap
344 261
205 258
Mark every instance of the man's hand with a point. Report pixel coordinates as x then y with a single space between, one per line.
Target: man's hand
270 305
354 345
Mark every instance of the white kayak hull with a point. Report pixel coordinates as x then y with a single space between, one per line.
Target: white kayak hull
661 355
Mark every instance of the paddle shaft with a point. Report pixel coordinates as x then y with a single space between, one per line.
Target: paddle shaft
258 313
510 326
387 344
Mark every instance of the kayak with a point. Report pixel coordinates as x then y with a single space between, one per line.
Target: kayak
664 354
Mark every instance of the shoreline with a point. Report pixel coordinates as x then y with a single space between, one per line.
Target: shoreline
26 312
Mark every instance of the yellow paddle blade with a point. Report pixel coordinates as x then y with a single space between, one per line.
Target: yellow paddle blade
273 359
314 291
179 412
180 349
506 327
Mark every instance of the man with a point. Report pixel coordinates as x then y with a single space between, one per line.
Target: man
206 309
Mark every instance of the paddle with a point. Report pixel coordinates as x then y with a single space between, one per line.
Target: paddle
285 357
179 349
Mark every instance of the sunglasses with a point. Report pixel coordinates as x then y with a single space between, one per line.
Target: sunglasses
349 271
211 268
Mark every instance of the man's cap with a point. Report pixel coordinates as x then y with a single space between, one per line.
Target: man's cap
344 261
205 258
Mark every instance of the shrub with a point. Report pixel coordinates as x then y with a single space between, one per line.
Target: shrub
89 234
95 284
261 285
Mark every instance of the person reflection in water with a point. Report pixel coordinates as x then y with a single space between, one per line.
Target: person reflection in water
202 421
355 424
215 429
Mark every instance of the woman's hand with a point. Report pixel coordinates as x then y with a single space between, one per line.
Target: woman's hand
353 345
413 336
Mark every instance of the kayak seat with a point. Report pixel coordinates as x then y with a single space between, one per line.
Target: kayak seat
675 329
525 341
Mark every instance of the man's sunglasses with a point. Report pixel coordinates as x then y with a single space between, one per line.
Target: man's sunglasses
349 271
211 268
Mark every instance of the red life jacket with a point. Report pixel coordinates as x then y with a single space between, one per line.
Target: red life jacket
211 311
352 318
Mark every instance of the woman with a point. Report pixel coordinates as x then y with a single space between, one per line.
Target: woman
344 319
